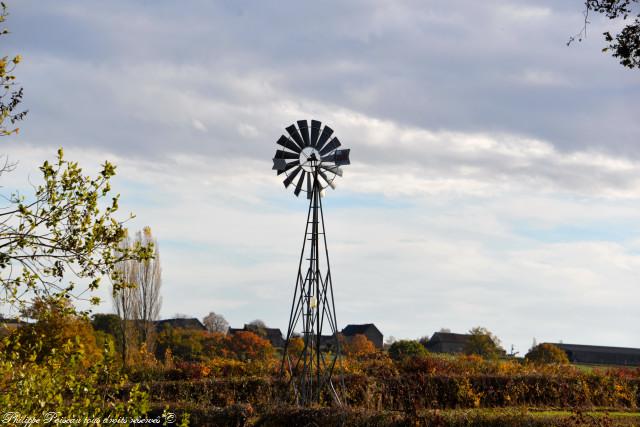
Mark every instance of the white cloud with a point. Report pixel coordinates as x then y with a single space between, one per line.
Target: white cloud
198 125
543 78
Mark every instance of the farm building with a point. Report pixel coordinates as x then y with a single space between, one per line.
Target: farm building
600 355
447 342
180 323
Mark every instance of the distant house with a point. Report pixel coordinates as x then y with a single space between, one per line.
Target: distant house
180 323
369 330
274 335
600 355
447 342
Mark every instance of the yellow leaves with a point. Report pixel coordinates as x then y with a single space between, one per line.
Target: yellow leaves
16 59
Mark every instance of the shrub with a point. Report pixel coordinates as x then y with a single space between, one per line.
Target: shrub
402 349
547 353
65 379
249 346
359 345
483 343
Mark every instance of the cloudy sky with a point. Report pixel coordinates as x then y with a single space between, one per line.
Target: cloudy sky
495 176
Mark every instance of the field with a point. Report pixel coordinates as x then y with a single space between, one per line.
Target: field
428 390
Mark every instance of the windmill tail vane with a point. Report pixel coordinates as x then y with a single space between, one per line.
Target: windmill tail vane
310 157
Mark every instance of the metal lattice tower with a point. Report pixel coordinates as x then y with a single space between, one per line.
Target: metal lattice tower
318 162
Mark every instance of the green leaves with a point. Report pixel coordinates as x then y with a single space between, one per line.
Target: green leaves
12 97
68 229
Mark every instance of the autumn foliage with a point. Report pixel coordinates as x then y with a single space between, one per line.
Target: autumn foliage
359 345
195 345
546 353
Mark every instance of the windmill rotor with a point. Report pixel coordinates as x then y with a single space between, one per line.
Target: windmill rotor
311 154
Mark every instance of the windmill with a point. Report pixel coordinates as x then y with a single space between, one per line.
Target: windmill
310 159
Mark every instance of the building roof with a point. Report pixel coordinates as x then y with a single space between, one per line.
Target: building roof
358 329
598 349
183 323
449 337
273 332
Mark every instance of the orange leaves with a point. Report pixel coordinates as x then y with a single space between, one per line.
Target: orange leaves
249 346
359 345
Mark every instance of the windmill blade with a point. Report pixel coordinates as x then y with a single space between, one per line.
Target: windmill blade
309 190
288 166
324 136
304 130
287 143
293 131
291 177
332 145
342 157
339 157
281 154
315 132
299 185
330 182
279 165
333 169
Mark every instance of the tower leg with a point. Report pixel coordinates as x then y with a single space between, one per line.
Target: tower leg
310 370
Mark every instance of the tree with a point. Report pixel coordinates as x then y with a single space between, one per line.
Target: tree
54 366
215 323
403 349
258 327
249 346
124 302
138 303
108 324
147 299
624 45
424 341
55 325
359 345
389 341
546 353
65 233
185 344
10 94
483 343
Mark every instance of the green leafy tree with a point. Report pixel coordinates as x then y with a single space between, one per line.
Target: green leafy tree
483 343
110 325
10 94
406 348
546 353
184 344
67 232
